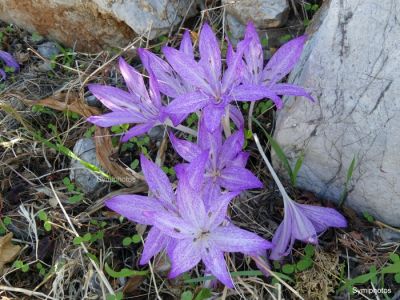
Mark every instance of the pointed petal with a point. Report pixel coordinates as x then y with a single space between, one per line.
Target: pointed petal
116 118
282 240
155 242
189 70
218 208
133 79
188 103
236 116
137 130
154 90
157 180
291 90
323 217
184 256
187 150
211 193
238 179
190 205
169 82
231 238
134 207
233 72
215 263
9 60
240 160
207 140
186 45
303 229
171 225
284 60
114 98
250 92
177 118
196 170
254 56
231 148
212 117
210 53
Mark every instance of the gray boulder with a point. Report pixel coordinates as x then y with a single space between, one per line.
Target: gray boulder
351 63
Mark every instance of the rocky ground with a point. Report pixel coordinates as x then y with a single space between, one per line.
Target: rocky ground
57 241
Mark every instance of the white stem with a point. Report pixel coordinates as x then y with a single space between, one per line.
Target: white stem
182 128
270 168
226 123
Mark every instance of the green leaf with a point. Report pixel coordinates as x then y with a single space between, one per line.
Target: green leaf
297 168
397 278
288 268
75 198
203 294
42 215
134 164
304 264
368 217
7 221
264 41
25 268
188 295
125 272
351 170
394 257
309 250
87 237
392 269
117 296
47 226
136 239
126 241
77 240
94 258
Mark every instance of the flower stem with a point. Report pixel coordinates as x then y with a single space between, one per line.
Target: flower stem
226 123
270 168
181 128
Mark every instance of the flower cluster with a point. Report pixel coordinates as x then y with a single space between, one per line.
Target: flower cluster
191 223
9 62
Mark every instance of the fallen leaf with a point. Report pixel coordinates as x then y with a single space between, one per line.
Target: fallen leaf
8 251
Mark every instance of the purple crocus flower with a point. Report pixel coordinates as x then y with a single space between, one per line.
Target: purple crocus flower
225 167
202 234
213 90
301 222
136 208
136 106
280 64
8 61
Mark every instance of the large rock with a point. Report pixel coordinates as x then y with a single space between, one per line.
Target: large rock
351 63
91 25
264 14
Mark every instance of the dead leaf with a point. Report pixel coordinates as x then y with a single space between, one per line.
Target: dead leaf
133 284
8 251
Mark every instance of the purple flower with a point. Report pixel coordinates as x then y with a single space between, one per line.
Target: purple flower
138 106
280 65
213 90
202 234
8 61
301 222
136 208
225 167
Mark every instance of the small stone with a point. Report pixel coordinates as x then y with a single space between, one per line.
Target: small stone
48 50
85 179
156 133
387 235
93 101
264 14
